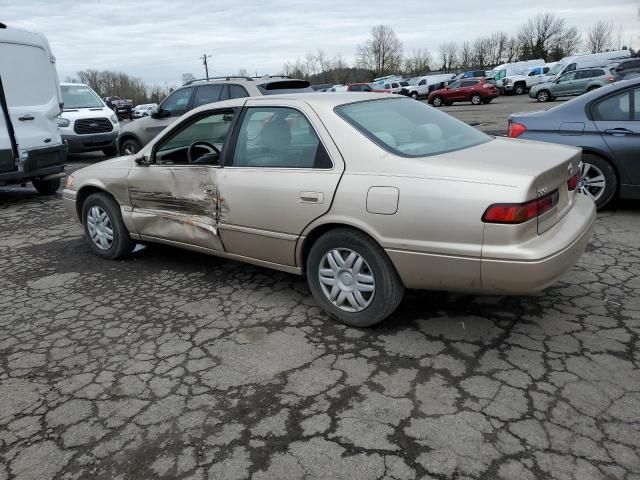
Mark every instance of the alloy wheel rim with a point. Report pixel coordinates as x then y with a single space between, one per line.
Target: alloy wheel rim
592 182
100 228
130 150
437 102
476 100
543 96
347 280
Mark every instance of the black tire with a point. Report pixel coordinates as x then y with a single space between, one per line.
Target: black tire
543 96
519 89
414 95
130 147
610 178
46 187
476 99
389 289
486 101
437 101
122 244
110 151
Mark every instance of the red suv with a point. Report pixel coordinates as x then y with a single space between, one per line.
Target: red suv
474 90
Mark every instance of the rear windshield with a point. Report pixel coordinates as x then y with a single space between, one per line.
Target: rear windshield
79 96
409 128
285 86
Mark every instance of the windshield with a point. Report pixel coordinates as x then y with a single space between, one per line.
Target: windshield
557 68
409 128
79 96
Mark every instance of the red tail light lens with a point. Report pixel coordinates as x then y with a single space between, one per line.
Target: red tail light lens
611 79
513 213
515 129
572 183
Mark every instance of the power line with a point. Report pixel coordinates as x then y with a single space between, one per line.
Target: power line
206 67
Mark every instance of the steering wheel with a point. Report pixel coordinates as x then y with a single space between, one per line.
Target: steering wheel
204 145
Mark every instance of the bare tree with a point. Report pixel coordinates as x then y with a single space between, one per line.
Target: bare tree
382 52
497 44
599 37
418 62
481 50
448 55
547 36
513 50
466 55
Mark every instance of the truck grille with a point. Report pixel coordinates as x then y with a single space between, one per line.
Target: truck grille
92 125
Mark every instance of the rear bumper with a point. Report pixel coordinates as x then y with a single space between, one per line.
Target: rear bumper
39 163
539 263
91 143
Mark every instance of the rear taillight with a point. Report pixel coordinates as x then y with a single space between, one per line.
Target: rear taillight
513 213
572 183
515 129
611 79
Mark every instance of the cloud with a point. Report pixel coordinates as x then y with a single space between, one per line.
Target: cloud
159 41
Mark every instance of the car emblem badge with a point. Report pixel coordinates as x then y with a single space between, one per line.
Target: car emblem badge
542 191
93 125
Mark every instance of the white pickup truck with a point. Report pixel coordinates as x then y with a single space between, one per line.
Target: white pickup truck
422 86
520 84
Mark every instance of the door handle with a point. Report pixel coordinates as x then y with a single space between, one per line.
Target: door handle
311 197
209 189
26 117
618 131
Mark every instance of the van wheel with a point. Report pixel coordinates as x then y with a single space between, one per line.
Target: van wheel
519 89
110 151
47 187
104 229
414 95
598 179
476 99
352 278
130 147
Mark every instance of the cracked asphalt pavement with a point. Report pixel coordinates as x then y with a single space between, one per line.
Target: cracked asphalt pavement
172 364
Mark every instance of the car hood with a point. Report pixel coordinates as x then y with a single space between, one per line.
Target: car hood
136 124
108 169
79 113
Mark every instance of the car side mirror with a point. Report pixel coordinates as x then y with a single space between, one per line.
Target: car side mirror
156 112
143 161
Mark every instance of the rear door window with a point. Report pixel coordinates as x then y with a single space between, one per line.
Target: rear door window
236 91
613 108
207 94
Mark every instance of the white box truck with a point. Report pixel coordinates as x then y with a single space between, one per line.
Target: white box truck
31 149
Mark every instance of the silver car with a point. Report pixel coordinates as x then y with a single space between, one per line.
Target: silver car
366 194
137 134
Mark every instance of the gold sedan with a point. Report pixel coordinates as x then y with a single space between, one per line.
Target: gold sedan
364 194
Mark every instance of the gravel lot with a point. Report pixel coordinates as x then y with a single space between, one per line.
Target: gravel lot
173 364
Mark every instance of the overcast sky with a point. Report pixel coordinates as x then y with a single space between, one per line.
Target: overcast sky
159 40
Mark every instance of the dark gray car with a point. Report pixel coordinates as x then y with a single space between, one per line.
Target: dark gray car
606 124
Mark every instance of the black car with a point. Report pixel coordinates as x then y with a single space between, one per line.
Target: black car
605 123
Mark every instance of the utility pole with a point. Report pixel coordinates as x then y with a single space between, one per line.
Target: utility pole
206 67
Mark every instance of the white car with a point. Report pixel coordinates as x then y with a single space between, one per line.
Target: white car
144 110
86 123
31 148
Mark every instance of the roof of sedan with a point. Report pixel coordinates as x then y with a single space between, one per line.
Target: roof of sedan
330 99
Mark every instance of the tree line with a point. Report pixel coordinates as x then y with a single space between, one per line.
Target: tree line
545 36
107 84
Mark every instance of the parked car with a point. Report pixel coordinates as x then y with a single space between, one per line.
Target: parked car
144 110
605 123
472 74
576 62
86 123
31 149
123 107
628 69
365 195
506 70
136 135
392 86
572 83
421 86
474 90
520 84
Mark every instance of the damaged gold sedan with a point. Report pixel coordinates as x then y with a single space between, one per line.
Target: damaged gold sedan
364 194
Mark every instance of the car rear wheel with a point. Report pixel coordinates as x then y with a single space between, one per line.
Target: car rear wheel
598 179
46 187
414 95
476 99
130 147
352 278
543 96
104 229
437 101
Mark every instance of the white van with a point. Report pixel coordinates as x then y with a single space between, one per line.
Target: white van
505 70
587 60
86 123
422 86
31 148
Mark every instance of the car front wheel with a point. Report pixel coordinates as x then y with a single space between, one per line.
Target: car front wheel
130 147
352 278
598 179
104 229
437 101
543 96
